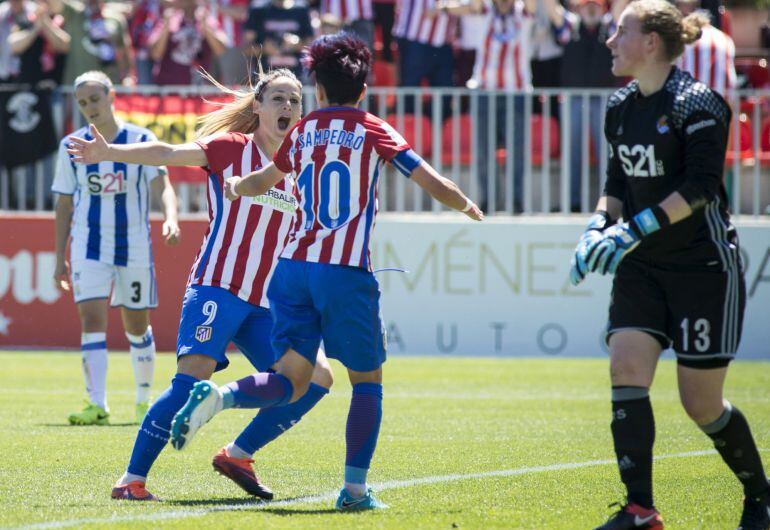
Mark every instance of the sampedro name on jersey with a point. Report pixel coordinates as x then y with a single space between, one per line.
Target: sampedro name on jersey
336 154
110 222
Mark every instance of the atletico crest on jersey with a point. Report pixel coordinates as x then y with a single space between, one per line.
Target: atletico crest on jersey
203 333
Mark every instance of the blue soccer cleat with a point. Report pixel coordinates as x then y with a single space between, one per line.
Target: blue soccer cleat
204 402
347 503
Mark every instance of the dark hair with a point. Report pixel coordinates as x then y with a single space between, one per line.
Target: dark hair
341 64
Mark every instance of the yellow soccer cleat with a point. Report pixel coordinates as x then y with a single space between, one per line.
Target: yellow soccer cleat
141 411
92 414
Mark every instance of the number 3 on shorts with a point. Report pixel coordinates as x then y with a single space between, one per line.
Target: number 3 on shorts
209 310
137 287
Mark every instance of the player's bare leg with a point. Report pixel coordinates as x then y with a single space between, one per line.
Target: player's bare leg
633 359
93 321
136 323
701 392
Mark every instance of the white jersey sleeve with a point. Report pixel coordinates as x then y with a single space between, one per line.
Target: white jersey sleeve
64 182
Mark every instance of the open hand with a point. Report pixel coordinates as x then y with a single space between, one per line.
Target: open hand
88 151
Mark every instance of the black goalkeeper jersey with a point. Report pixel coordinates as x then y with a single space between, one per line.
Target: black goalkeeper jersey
673 140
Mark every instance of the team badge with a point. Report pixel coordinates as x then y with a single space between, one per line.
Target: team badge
662 124
203 333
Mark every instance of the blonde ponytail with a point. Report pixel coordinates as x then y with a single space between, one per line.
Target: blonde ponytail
238 115
663 18
692 26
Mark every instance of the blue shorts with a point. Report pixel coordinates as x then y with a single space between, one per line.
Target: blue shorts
336 303
212 317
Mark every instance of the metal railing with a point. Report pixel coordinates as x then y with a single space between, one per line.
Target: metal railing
537 158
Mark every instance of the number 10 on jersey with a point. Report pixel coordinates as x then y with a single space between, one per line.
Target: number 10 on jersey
332 198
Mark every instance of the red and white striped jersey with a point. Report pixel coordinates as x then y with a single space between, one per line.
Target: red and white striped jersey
336 154
413 24
503 58
245 237
348 10
711 60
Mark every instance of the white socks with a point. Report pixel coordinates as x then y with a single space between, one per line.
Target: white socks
233 451
94 349
142 348
130 477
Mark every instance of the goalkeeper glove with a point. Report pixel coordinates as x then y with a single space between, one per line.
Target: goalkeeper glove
590 238
617 241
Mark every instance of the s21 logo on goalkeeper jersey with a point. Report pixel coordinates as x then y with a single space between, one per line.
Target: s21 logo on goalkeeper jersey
640 161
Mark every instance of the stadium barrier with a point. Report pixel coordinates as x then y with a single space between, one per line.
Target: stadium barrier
494 288
443 125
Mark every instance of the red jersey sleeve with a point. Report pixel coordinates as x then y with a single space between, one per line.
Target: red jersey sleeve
387 141
222 150
282 157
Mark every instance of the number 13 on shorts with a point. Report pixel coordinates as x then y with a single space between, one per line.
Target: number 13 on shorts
699 332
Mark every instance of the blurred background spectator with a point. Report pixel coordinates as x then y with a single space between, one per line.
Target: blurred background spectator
279 30
503 63
471 38
186 39
356 16
142 18
230 66
384 18
99 40
546 55
425 33
587 63
710 59
34 43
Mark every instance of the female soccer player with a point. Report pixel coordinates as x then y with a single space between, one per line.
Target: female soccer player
105 208
225 299
323 287
678 276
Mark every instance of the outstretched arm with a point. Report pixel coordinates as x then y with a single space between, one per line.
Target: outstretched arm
445 191
255 183
147 153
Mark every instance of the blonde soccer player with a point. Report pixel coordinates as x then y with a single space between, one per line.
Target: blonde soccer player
103 208
678 279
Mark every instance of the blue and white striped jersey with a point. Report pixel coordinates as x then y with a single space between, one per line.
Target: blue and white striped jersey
112 201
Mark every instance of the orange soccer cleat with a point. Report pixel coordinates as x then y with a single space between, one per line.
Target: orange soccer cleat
239 470
133 491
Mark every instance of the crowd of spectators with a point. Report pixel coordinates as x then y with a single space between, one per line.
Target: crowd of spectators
440 43
498 45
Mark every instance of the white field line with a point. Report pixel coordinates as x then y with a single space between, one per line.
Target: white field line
332 495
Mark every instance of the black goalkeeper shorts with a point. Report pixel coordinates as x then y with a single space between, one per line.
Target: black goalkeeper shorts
698 313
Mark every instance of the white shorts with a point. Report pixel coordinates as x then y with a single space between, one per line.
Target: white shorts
132 287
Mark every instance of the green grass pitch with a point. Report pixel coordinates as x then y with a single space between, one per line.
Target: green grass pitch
533 434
